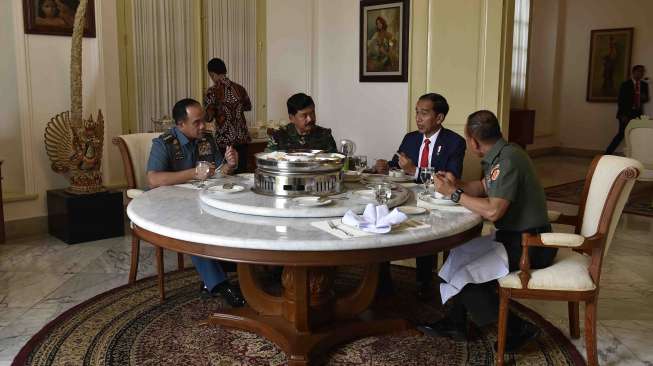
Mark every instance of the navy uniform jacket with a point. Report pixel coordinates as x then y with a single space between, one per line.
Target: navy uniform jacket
448 151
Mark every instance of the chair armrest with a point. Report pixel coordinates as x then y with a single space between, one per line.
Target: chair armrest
556 217
562 240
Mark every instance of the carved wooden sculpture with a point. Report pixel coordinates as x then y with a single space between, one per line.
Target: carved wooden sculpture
74 145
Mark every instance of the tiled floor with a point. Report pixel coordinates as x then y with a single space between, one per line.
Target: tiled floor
42 277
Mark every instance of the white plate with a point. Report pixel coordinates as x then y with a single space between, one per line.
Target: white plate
246 175
366 193
401 179
219 188
438 201
411 210
310 201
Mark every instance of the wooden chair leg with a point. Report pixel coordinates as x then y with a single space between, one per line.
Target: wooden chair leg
133 267
180 261
574 323
502 324
159 270
590 332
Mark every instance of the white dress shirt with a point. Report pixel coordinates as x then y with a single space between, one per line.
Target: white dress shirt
433 139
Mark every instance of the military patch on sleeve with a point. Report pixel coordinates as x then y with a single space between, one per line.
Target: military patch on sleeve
495 172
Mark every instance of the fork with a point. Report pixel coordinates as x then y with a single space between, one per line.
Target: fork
335 227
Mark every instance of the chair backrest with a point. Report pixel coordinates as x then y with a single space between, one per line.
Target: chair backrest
135 150
639 138
607 187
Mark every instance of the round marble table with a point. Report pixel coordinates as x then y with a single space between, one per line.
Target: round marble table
307 319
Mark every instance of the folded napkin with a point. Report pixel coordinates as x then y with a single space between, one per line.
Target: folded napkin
480 260
375 219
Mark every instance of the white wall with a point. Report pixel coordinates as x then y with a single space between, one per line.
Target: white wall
353 110
43 88
12 170
581 124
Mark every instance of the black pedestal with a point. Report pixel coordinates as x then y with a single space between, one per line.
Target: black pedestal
78 218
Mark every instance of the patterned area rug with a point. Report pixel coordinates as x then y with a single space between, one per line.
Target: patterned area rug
640 201
128 326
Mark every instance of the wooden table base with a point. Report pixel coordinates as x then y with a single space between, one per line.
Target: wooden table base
307 319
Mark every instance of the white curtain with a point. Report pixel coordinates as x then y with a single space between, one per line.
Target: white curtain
520 53
230 34
165 57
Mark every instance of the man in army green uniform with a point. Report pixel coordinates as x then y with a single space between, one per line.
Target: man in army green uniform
302 132
510 196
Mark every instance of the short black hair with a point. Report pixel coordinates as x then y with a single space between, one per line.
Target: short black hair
179 113
440 104
638 67
217 66
484 126
298 102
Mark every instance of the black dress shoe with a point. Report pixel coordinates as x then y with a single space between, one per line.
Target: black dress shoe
517 339
445 328
425 292
228 291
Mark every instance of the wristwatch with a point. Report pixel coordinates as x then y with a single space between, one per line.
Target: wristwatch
455 196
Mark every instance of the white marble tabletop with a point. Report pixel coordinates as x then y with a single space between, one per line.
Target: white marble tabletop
178 213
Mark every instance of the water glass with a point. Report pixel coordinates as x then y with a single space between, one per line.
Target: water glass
382 193
425 175
202 169
360 162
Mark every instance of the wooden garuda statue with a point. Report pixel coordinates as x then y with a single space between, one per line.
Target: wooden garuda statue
74 145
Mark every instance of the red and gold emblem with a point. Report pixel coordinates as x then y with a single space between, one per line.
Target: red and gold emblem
494 173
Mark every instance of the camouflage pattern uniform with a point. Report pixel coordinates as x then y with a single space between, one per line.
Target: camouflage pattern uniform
287 138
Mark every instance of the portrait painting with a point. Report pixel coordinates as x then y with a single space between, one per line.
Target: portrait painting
384 40
609 64
56 17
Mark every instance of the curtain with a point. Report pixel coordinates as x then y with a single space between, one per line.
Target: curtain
230 34
165 57
520 53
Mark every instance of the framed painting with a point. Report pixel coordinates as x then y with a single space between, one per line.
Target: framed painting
56 17
609 63
384 30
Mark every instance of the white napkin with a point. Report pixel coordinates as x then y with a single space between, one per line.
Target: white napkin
480 260
375 219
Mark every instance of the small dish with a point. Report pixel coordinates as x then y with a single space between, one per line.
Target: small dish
411 210
245 175
220 188
311 201
401 178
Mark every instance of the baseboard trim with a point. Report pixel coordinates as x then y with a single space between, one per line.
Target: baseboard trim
566 151
33 226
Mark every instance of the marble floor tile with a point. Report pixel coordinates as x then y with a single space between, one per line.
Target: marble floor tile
24 289
53 258
79 288
9 314
637 335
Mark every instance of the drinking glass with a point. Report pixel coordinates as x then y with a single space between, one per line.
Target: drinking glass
382 193
360 162
202 170
425 175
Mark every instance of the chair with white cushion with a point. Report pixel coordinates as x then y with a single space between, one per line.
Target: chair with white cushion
135 150
575 273
639 135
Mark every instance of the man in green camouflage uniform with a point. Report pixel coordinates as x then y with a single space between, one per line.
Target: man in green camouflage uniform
301 133
510 196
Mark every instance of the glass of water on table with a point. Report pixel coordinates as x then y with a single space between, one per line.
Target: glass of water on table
425 175
382 192
202 170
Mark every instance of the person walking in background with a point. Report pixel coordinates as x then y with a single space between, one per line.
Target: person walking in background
226 103
633 93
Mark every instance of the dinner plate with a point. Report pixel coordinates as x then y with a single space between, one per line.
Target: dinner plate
246 175
411 210
365 193
310 201
375 178
401 179
220 188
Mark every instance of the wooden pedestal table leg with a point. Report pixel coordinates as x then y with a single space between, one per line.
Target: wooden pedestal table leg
307 319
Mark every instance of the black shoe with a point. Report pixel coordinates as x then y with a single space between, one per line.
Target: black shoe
228 291
445 328
425 292
516 340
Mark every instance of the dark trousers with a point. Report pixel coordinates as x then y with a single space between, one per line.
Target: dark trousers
623 122
424 270
481 301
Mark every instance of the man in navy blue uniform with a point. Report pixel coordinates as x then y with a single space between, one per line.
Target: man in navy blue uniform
430 146
172 161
